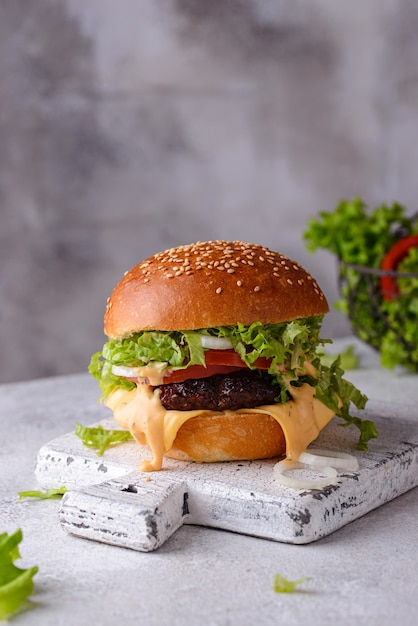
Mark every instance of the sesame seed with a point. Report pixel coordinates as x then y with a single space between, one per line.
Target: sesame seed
146 280
169 275
219 290
250 262
289 281
239 283
256 288
230 271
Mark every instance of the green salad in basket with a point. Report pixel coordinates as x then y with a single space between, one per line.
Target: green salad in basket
377 253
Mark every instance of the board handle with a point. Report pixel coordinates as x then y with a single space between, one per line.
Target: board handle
136 511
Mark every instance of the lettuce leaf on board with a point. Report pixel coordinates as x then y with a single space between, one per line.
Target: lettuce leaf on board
99 438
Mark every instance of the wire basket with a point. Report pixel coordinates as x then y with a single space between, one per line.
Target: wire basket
365 304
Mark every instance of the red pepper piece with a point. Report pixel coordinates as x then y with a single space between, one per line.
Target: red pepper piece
393 257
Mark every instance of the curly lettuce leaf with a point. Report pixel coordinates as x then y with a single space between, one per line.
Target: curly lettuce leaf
16 584
172 349
356 235
339 394
99 438
288 344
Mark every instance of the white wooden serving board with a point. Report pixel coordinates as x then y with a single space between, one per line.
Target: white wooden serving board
109 500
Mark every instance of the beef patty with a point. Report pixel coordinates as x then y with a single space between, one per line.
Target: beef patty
238 390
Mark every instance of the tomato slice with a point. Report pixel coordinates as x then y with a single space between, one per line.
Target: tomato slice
232 358
198 371
217 362
393 257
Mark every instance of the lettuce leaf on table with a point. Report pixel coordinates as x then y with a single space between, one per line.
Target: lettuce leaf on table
16 584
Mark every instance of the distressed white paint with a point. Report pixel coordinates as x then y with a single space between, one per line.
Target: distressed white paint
111 502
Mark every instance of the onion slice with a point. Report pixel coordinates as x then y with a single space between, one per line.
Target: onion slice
300 476
321 458
215 343
127 372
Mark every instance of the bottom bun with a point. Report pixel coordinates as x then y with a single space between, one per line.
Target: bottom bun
228 437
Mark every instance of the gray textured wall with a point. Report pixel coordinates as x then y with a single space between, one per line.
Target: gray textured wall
130 126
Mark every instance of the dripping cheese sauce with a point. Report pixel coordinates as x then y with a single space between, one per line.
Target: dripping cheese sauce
140 411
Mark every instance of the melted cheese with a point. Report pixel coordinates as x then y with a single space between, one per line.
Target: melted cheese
141 412
301 419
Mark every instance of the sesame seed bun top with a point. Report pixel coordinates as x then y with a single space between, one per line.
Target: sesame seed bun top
214 283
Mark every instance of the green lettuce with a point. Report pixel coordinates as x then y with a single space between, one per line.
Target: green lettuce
355 234
361 237
43 495
99 438
287 344
339 394
284 585
16 584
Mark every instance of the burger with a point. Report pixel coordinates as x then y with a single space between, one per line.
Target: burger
214 354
